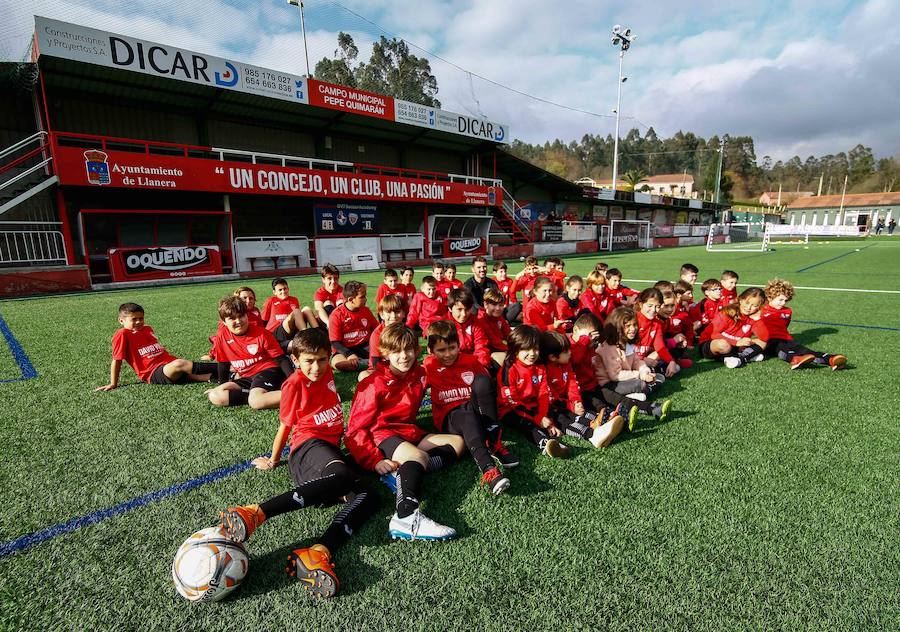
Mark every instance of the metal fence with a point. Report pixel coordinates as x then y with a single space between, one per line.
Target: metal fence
30 243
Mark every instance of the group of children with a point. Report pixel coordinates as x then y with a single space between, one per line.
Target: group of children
585 361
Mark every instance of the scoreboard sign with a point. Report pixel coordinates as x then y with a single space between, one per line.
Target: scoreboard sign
346 219
163 262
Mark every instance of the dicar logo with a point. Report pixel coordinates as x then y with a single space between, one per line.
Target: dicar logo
227 78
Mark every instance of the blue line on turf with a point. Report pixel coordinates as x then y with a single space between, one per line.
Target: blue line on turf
38 537
25 367
816 322
821 263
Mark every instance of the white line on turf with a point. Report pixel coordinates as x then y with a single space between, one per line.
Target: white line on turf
797 287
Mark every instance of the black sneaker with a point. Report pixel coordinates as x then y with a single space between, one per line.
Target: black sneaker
504 457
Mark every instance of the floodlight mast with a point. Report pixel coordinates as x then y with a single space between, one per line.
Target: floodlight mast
299 3
622 38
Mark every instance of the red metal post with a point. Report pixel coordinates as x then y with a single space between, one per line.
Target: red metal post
66 229
426 252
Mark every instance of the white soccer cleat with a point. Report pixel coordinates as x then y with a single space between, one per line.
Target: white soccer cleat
732 362
638 397
417 526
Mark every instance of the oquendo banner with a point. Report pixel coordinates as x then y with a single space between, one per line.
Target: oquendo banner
77 166
163 262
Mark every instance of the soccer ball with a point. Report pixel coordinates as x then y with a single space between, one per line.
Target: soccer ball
208 566
522 258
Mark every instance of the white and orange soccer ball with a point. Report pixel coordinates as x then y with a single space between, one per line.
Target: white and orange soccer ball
209 566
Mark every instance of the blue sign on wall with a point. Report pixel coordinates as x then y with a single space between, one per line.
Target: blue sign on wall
346 219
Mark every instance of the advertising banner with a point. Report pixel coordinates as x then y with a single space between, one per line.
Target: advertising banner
346 219
93 167
163 262
465 246
80 43
625 236
344 99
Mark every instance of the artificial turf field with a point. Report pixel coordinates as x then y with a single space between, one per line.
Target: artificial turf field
769 500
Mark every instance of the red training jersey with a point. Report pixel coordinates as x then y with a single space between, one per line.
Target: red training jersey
777 322
409 290
619 295
423 311
727 297
563 384
384 290
385 405
540 315
583 353
324 296
597 302
679 323
351 329
451 386
525 284
473 339
724 328
276 310
523 389
704 311
496 329
508 289
312 410
565 310
650 339
374 339
249 353
559 279
141 350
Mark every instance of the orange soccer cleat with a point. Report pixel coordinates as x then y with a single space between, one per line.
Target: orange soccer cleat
801 360
239 522
313 567
837 362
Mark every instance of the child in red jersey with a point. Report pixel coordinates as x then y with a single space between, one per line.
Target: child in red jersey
383 437
737 335
512 308
330 295
566 407
495 326
684 298
450 279
526 279
650 345
427 306
523 397
472 338
583 343
407 285
390 286
391 309
777 317
703 311
553 271
623 377
283 315
676 326
688 273
617 293
254 316
438 270
540 312
594 297
312 418
568 305
136 344
728 281
349 328
253 354
464 403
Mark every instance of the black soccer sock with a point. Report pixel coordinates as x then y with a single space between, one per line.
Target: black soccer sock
484 399
473 432
750 352
440 457
199 368
319 491
409 485
360 507
238 398
821 358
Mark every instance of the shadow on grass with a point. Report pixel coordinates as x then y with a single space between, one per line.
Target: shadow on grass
810 336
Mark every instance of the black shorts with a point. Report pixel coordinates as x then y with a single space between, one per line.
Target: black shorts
309 461
283 338
271 380
360 351
159 377
706 351
390 445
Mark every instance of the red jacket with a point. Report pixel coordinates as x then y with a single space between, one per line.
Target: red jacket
473 339
385 405
679 323
451 386
650 339
724 328
777 322
496 329
523 389
583 353
566 311
703 311
597 303
563 384
540 315
423 311
508 289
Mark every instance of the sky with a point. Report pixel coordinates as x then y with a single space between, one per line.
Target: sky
804 77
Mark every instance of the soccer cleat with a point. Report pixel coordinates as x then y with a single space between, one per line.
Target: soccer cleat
685 363
664 410
417 526
241 521
390 480
759 357
632 418
801 360
638 397
556 450
837 362
732 362
605 434
494 481
314 569
503 456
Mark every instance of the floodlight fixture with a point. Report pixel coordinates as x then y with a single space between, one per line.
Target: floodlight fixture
623 39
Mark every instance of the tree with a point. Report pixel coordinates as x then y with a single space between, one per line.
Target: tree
632 178
391 70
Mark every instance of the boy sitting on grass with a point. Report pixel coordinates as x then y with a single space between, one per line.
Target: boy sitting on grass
283 315
254 355
472 338
495 326
349 328
312 418
136 344
390 286
330 295
427 306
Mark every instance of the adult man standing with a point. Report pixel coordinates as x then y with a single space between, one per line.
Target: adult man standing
479 282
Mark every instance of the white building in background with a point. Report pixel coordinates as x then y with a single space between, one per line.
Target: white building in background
771 198
678 185
859 209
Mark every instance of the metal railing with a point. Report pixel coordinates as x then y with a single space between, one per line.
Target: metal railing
36 145
24 242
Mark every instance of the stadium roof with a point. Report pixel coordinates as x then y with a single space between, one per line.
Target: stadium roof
851 199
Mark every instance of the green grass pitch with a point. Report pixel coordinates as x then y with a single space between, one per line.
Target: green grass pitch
770 499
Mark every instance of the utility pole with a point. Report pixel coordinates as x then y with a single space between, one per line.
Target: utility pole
843 193
299 3
622 38
719 169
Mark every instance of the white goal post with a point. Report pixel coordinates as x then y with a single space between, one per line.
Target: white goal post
621 234
737 237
